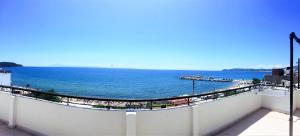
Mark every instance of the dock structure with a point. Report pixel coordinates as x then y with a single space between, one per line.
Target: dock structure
200 78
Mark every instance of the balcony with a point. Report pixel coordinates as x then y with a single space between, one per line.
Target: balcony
243 111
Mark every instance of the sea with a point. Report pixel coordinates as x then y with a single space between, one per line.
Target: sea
122 83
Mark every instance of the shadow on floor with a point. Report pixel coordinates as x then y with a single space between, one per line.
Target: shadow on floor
6 131
297 114
244 123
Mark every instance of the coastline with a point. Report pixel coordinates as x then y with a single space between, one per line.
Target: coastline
120 105
121 83
236 84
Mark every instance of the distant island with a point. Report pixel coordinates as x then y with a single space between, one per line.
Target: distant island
9 64
248 69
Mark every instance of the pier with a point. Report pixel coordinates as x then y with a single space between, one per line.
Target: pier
200 78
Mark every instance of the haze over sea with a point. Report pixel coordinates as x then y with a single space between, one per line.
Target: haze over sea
121 83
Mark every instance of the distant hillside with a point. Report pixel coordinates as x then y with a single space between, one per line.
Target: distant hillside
9 64
248 69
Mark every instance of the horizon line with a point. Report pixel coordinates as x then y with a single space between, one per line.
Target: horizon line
145 68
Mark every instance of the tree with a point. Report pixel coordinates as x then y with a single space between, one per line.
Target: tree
50 97
256 81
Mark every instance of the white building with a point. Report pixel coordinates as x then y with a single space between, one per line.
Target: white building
5 77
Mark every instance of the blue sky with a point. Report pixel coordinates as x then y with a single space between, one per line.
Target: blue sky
149 34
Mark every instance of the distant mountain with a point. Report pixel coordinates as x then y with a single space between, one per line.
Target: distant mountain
9 64
248 69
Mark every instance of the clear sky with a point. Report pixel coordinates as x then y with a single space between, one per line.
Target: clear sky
151 34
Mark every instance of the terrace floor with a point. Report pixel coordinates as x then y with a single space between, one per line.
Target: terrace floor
6 131
263 122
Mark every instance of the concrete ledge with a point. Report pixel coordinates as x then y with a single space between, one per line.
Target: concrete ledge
130 123
11 113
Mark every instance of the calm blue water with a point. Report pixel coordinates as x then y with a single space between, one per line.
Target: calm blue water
120 83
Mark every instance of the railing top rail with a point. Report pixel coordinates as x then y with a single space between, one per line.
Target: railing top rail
123 100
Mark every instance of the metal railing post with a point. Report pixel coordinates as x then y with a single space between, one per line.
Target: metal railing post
108 105
298 72
193 87
68 100
292 37
36 95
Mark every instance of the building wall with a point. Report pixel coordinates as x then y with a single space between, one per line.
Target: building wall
55 119
297 96
165 122
5 79
273 79
279 103
4 106
216 115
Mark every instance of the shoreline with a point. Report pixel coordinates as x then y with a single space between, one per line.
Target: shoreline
236 84
121 84
121 105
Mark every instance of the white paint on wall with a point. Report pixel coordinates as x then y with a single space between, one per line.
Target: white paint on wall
165 122
130 123
297 97
4 106
196 130
218 114
278 100
11 115
60 120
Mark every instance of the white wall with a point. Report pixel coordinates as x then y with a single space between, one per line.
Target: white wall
4 105
53 119
279 103
213 116
297 96
60 120
5 79
165 122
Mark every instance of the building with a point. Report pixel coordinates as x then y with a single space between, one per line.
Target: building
5 77
280 76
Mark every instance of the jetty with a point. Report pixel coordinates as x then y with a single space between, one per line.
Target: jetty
200 78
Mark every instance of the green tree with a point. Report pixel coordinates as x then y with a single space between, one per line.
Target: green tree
256 81
50 97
